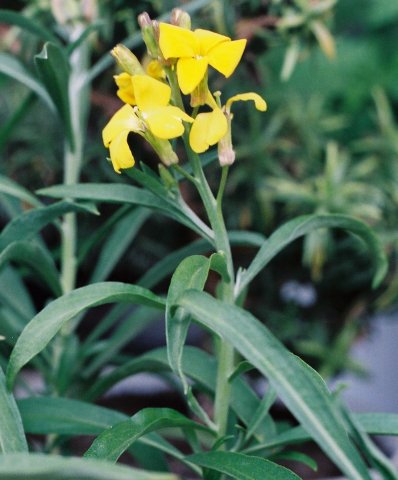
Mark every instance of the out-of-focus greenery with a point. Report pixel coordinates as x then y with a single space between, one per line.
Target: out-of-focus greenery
328 144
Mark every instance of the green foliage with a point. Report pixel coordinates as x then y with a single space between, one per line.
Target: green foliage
181 245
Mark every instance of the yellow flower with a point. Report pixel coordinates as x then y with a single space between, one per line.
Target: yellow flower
115 134
213 127
197 49
152 117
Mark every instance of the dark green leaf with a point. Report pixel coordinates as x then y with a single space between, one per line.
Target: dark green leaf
13 68
298 457
12 436
53 68
301 388
114 441
11 17
31 222
12 188
37 258
242 467
34 466
45 325
300 226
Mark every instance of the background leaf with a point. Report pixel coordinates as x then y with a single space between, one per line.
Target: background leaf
12 436
45 325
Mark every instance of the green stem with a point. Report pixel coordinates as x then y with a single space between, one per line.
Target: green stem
225 351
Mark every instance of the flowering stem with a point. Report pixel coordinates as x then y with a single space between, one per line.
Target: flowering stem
225 351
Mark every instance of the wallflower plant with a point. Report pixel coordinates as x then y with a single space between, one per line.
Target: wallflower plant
228 428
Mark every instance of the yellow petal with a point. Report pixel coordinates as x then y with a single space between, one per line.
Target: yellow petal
190 71
126 95
207 129
124 119
166 122
177 42
259 102
150 92
225 56
155 70
120 152
125 91
208 40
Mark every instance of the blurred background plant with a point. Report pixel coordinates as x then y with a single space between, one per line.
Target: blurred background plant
329 144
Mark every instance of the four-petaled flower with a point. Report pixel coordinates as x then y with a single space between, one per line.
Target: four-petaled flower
197 49
152 117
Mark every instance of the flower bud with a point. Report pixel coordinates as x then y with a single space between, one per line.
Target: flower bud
167 178
163 149
226 153
127 60
180 18
150 34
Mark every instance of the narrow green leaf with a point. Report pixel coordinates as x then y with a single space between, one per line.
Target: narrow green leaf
378 423
15 295
168 264
297 457
12 188
242 467
13 68
114 441
46 324
303 225
12 436
11 17
199 366
31 222
261 412
34 466
53 68
126 194
37 258
191 273
117 243
301 388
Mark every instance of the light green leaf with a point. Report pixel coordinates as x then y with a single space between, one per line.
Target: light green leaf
34 466
303 225
168 264
130 195
242 467
14 69
199 366
378 423
46 324
31 222
12 436
11 17
300 388
37 258
114 441
53 68
191 273
12 188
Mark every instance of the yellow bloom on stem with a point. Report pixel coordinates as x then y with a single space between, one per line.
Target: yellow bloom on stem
115 134
152 117
214 127
197 49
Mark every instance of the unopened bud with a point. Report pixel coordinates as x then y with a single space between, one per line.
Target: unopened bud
150 34
163 148
180 18
226 153
127 60
167 178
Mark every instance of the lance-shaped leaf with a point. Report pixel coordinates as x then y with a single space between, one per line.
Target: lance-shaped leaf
300 226
11 17
53 69
300 387
12 188
46 324
12 436
26 225
114 441
34 466
242 467
37 258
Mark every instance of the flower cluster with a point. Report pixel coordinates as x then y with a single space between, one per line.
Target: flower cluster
152 96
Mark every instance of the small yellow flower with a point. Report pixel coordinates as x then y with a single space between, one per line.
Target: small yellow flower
152 117
197 49
213 127
115 134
